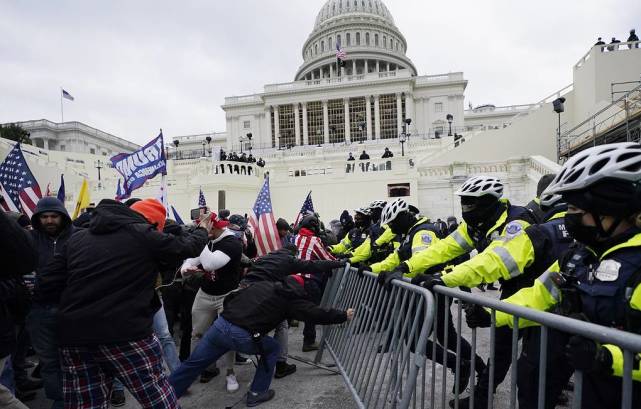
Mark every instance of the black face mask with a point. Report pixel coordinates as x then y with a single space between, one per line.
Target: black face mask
481 215
403 223
588 235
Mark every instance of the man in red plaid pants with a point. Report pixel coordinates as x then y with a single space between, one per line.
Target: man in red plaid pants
104 277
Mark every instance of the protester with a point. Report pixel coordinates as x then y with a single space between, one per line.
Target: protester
109 271
284 232
220 262
249 314
387 154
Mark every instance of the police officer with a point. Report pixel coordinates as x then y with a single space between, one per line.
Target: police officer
518 259
381 241
599 279
356 236
488 219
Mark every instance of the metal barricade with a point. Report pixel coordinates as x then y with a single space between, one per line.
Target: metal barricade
551 325
381 351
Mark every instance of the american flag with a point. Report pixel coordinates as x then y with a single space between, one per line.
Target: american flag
67 95
201 199
308 207
263 223
19 187
340 53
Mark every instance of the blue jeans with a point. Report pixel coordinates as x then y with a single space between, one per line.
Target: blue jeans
221 337
6 376
42 326
169 352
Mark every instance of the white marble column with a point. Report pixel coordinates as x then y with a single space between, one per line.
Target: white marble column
368 116
331 71
377 117
353 67
296 124
305 130
378 66
366 68
276 126
325 123
399 114
348 130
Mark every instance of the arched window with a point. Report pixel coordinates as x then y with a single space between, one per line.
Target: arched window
358 38
366 38
376 40
338 40
397 46
316 49
348 39
322 46
330 44
384 41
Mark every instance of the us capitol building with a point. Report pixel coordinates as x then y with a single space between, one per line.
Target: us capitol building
305 129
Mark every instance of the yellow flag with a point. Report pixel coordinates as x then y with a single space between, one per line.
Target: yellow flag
83 199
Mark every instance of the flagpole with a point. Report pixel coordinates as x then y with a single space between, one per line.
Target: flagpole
62 113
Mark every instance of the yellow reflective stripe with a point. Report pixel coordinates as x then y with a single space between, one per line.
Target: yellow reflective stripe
419 248
549 284
508 261
460 240
635 300
617 359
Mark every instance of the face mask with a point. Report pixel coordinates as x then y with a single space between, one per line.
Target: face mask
588 235
479 216
402 223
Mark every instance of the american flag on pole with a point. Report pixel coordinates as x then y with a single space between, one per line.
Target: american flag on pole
201 199
340 53
308 207
18 186
263 223
67 95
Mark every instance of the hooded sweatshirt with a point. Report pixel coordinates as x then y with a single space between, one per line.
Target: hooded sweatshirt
48 246
106 274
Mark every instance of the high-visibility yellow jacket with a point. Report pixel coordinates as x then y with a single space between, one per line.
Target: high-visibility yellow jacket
520 254
354 238
419 238
604 292
463 240
363 252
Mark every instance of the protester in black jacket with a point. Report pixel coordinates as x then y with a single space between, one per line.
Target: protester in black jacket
250 313
19 258
107 275
52 228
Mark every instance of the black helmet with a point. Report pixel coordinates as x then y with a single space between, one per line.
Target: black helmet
311 222
238 220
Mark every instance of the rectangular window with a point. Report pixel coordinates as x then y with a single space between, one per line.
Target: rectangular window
286 125
398 189
357 119
372 126
387 108
300 126
92 151
315 122
438 107
247 124
272 119
348 39
336 113
358 38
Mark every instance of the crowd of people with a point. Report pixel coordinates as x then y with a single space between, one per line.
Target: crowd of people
614 43
365 156
243 157
113 290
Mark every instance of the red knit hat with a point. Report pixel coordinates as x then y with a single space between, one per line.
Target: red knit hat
153 211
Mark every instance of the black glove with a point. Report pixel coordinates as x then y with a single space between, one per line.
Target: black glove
385 278
361 270
432 280
477 317
417 280
587 355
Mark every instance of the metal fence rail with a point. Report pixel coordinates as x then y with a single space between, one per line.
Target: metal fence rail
383 353
377 352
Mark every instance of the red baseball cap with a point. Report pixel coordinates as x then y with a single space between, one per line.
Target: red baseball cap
217 222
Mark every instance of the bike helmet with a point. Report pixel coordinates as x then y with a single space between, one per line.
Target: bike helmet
377 204
548 201
618 161
478 186
364 211
393 209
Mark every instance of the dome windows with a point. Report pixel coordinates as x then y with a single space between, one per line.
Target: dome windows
348 39
384 42
322 46
375 40
358 38
366 38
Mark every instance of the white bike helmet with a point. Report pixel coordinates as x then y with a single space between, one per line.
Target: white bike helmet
393 209
478 186
364 211
620 161
548 201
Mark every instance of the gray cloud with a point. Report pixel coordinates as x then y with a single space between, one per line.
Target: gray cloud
137 66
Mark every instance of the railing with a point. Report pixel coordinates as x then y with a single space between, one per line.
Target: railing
79 126
365 166
498 110
382 354
607 48
609 117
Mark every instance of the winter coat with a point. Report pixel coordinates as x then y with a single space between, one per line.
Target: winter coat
48 246
277 265
261 306
107 275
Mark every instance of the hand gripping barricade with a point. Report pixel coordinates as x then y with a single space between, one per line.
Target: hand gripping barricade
380 352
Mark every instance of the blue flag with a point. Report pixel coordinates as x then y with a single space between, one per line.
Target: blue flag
141 165
176 216
61 189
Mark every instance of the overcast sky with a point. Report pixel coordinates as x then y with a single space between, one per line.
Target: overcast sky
136 66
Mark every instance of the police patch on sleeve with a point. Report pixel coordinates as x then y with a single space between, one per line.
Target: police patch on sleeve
513 229
426 238
608 270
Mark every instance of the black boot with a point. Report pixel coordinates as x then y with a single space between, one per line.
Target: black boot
464 377
283 369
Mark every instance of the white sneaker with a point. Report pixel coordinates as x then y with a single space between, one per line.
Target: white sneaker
232 383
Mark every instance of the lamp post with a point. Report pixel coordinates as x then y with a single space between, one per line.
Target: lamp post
203 149
176 143
558 108
99 165
249 137
449 118
402 139
208 139
406 128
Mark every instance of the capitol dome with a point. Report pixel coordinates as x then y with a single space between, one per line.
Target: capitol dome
365 30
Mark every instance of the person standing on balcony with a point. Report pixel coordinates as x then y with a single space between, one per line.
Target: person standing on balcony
351 157
600 42
387 154
364 156
631 38
614 44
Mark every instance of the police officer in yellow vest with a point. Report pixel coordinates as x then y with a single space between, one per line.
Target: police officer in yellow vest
356 236
600 279
380 242
488 221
